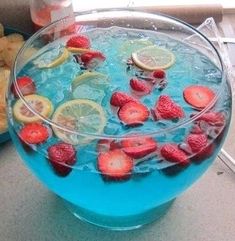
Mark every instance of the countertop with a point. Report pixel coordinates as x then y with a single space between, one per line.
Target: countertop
29 212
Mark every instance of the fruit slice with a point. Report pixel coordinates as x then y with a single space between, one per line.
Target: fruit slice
198 96
153 57
213 118
130 46
166 108
77 50
104 145
140 87
119 99
159 74
90 85
39 104
138 147
115 164
172 153
52 58
79 41
92 59
34 133
133 113
25 85
197 142
83 116
61 157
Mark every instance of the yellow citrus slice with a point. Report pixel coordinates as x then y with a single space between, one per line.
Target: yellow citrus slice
80 115
90 85
77 50
153 57
38 103
130 46
52 58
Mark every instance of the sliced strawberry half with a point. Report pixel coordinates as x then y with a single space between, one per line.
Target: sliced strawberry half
138 147
198 96
197 142
172 153
62 156
213 118
166 108
140 87
25 85
34 133
104 145
120 98
92 59
159 74
133 113
115 165
79 41
205 153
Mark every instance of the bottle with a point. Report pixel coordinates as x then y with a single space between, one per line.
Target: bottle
43 12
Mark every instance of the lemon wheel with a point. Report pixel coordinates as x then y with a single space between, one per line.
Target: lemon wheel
80 115
153 57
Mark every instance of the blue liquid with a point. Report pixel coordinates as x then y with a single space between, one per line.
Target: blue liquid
138 200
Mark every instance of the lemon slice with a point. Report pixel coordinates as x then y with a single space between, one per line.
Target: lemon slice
52 58
40 104
84 116
90 85
130 46
77 50
153 57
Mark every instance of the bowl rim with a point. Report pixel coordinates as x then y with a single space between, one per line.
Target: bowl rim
123 136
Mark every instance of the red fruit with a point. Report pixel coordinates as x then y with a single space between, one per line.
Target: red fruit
197 142
62 156
198 96
133 113
34 133
204 153
213 118
140 86
120 98
138 147
166 108
159 74
196 129
115 164
92 59
105 145
79 41
172 153
25 85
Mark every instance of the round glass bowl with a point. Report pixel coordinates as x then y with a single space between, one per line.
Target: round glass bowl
119 162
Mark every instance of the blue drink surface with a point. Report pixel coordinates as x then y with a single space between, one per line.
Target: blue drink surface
153 181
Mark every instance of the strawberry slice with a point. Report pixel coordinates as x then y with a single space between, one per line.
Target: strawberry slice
159 74
198 96
166 108
138 147
120 98
34 133
79 41
115 165
197 142
133 113
104 145
25 85
141 87
62 156
212 118
92 59
172 153
205 153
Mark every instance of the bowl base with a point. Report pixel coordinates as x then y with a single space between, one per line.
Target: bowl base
121 223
